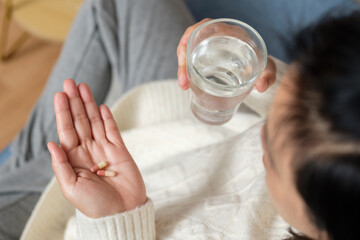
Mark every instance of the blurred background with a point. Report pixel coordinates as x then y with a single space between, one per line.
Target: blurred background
32 33
31 37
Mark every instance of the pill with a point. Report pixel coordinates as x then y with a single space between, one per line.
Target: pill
106 173
98 166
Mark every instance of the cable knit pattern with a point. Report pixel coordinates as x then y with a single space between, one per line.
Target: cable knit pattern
216 192
137 224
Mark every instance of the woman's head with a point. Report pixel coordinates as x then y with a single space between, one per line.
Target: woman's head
311 139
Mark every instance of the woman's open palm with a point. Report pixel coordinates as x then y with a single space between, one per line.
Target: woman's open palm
89 135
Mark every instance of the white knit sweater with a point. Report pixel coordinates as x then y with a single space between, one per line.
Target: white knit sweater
205 182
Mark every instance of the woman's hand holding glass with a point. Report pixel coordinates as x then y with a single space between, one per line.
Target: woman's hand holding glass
266 79
89 135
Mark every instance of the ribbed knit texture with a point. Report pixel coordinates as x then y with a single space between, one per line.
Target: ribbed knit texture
137 224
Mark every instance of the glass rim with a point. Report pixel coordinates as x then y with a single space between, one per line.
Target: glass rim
242 24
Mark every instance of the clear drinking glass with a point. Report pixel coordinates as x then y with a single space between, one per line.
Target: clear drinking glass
224 59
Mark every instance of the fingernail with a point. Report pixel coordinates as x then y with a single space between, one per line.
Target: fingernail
182 80
48 146
263 86
181 59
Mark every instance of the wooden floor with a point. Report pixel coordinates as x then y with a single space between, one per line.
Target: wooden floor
22 79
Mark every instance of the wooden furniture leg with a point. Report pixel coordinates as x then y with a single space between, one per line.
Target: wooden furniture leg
5 31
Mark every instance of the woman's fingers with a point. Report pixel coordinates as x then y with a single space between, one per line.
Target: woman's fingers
81 121
92 111
185 38
65 127
62 168
111 128
183 80
268 77
181 53
182 74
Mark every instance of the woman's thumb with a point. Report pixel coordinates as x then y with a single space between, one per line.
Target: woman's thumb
61 166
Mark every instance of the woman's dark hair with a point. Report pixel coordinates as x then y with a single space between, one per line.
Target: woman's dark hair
325 123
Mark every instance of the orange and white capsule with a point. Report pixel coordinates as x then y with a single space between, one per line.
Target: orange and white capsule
106 173
98 166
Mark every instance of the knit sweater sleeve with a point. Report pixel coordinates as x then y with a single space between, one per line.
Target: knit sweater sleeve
137 224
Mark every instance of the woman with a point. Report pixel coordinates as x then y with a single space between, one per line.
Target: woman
310 141
128 41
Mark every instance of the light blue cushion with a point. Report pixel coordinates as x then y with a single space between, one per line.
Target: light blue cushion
4 155
275 20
